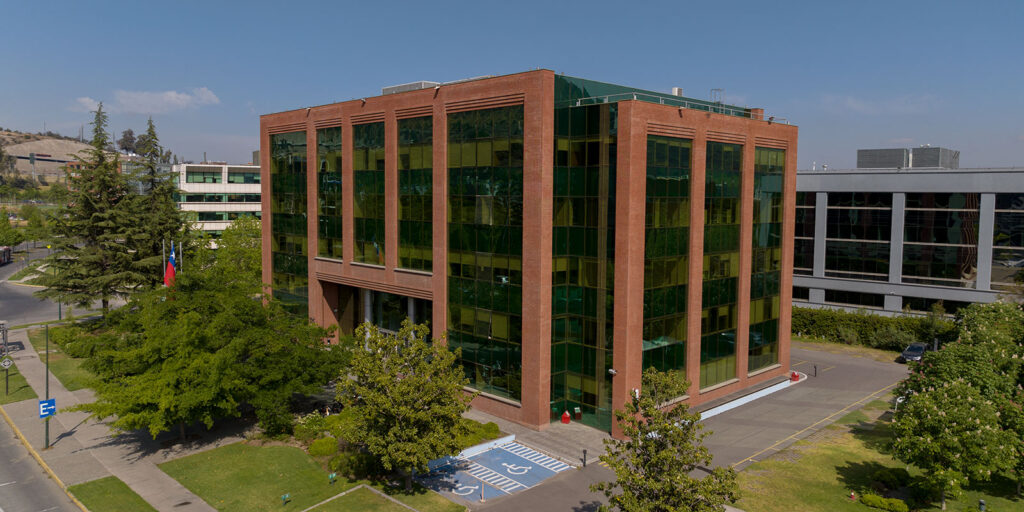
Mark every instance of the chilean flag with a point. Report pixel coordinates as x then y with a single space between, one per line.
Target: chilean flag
169 273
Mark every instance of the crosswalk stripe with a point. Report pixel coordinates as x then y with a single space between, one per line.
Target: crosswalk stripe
486 475
536 457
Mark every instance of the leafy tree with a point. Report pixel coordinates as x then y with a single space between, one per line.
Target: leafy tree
127 141
9 235
156 214
407 396
953 434
199 351
1000 322
653 466
37 228
93 258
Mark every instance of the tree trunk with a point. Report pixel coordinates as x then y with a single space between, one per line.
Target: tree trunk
106 306
182 427
408 480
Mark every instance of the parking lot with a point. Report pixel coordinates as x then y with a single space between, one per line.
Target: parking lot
497 472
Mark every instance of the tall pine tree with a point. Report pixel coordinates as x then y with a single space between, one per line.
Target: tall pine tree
93 258
157 219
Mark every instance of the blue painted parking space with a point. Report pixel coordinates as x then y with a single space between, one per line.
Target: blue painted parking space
496 472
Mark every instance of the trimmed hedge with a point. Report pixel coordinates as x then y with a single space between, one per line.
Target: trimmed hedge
890 504
863 328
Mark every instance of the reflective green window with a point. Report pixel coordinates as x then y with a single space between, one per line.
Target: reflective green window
416 193
721 262
858 229
941 239
766 255
485 246
368 196
1008 243
583 255
328 155
289 274
666 253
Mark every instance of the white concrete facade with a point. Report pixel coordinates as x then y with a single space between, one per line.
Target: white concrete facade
218 193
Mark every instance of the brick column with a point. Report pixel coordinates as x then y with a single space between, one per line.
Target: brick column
695 286
746 260
630 209
390 190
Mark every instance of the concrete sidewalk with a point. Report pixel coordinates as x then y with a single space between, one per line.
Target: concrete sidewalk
82 449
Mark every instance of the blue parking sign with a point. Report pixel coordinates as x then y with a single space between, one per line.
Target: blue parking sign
47 407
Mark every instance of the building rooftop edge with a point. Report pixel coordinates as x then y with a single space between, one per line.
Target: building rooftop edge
908 170
488 77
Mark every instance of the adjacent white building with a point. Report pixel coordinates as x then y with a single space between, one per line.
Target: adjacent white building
218 193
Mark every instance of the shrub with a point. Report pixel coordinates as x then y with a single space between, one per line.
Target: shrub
75 341
892 478
890 504
323 447
891 338
847 335
342 425
310 426
479 433
827 323
356 465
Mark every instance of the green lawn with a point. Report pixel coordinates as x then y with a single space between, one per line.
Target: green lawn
242 477
822 473
363 500
68 370
109 494
17 386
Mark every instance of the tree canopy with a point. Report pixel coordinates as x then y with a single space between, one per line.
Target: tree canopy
108 238
9 235
965 401
653 465
200 350
407 394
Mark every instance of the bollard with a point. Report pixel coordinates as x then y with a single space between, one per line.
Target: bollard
815 370
584 457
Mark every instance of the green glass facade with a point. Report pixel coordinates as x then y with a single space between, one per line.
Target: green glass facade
721 270
368 193
583 252
666 252
766 258
415 193
289 240
485 246
328 156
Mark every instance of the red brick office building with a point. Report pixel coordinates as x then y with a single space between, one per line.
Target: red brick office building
564 233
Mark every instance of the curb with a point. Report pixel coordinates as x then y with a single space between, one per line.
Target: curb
40 460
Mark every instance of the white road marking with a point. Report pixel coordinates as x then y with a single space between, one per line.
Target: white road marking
8 483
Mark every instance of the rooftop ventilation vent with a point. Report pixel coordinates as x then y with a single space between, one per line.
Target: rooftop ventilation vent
412 86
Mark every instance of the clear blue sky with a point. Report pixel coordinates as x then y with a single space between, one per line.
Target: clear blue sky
851 74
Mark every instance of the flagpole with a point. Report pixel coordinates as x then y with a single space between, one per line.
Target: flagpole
163 257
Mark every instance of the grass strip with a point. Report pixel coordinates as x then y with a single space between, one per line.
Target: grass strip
109 494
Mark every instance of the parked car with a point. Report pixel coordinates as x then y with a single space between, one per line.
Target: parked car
913 352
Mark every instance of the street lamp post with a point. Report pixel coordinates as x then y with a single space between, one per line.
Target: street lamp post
46 446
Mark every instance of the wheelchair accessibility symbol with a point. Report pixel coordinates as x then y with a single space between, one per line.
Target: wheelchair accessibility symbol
516 470
465 490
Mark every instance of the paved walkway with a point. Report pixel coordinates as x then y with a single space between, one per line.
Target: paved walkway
83 449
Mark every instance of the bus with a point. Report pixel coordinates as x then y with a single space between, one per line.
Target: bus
5 255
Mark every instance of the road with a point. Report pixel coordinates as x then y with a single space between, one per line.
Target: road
17 304
24 486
